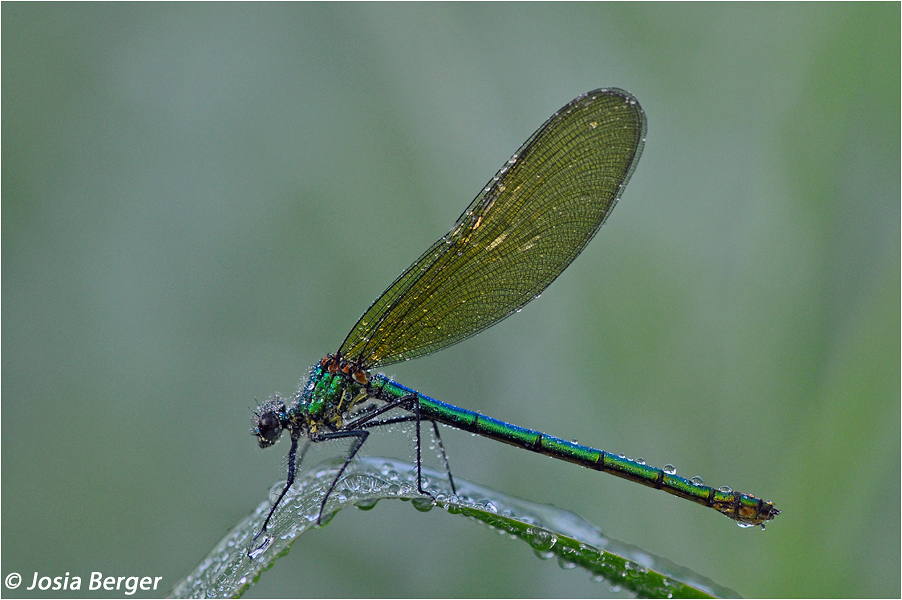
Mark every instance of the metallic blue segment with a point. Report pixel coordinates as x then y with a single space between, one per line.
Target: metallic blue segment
430 408
467 420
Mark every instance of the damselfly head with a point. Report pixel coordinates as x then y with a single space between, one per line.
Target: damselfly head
269 421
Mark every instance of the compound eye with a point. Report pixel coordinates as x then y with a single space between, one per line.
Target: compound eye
268 423
269 428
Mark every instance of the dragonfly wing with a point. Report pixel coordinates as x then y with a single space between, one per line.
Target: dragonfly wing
531 220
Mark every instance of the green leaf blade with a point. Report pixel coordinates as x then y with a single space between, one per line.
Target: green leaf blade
228 571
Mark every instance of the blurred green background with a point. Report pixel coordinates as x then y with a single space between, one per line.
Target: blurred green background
199 200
